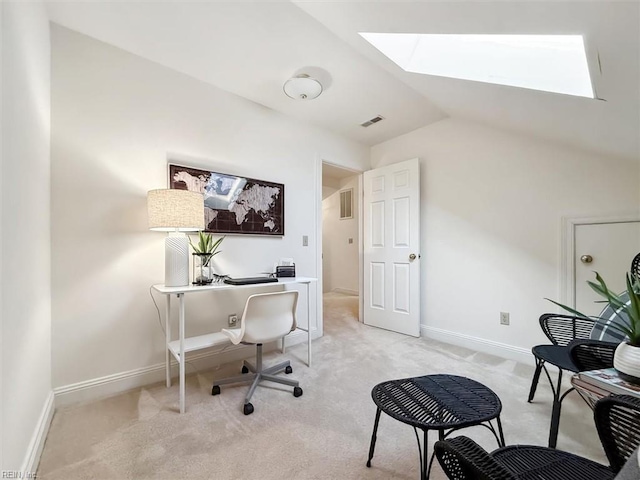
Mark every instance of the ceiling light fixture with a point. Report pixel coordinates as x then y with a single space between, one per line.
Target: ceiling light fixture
302 87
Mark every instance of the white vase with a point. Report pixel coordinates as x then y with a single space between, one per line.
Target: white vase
626 361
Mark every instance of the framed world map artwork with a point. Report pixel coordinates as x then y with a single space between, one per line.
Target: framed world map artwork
234 204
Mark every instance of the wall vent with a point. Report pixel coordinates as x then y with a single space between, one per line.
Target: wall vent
368 123
346 204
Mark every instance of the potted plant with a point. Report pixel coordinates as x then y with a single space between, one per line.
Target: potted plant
203 252
627 356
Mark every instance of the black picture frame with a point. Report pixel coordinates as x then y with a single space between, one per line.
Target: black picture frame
234 205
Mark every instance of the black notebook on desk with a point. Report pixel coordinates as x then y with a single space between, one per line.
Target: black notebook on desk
250 280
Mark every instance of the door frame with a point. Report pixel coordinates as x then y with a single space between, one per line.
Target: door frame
320 159
567 292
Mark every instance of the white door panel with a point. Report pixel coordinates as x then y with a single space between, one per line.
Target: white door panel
391 235
611 248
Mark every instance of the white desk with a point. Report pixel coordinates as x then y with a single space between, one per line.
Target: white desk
179 347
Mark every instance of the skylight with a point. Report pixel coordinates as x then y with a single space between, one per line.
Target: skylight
551 63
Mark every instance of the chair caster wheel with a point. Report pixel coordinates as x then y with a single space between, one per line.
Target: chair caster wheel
297 392
247 409
215 390
368 463
288 370
245 369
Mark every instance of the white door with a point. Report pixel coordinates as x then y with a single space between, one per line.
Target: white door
392 247
606 248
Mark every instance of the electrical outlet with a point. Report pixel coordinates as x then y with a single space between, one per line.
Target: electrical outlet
233 320
504 318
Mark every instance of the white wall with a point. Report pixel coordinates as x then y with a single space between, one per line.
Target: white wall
329 185
26 255
116 117
326 191
491 205
1 242
340 258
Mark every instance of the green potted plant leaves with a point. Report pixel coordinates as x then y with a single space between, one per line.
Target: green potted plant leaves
627 312
203 252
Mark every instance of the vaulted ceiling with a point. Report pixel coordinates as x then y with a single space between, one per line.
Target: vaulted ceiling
251 48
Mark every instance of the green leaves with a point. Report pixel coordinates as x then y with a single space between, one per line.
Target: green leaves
206 245
601 289
633 311
568 309
628 313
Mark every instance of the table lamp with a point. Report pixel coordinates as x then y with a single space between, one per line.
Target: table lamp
176 212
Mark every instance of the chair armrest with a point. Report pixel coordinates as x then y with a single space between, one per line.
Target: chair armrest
592 354
461 458
562 329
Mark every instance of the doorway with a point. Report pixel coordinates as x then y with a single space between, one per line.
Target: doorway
605 245
341 242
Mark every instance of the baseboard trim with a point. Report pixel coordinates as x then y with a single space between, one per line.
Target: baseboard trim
483 345
346 291
114 384
36 445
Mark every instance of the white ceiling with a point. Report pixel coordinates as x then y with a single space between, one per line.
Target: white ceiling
251 48
610 28
337 173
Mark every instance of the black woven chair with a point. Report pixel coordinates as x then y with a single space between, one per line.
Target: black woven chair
567 332
618 422
617 419
592 354
463 459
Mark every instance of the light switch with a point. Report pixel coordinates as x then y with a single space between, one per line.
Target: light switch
350 240
305 240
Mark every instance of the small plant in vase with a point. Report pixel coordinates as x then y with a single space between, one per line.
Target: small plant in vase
627 312
203 253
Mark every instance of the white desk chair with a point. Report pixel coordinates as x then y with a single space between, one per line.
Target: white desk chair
267 317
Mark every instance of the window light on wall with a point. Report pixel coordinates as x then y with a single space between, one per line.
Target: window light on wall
551 63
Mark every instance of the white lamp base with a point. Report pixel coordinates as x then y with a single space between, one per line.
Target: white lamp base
176 260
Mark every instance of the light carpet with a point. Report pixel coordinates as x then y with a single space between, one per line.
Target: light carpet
324 434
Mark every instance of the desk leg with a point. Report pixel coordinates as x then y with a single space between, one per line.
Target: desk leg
309 324
167 331
182 359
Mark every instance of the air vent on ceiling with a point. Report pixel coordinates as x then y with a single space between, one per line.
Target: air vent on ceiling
368 123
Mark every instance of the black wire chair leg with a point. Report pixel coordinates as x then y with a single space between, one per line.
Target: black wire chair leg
489 426
546 372
441 436
422 464
501 432
536 378
555 412
555 419
426 473
373 437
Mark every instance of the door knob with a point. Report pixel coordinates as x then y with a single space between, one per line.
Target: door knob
586 259
412 256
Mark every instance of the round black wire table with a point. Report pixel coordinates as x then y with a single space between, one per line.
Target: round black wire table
445 403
